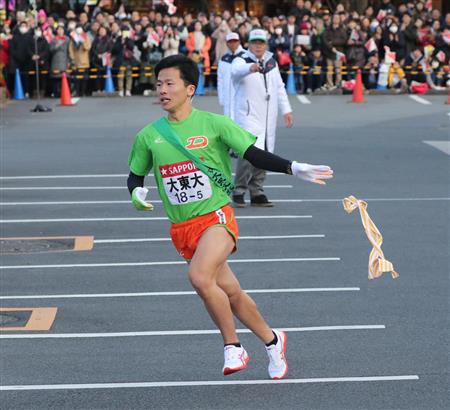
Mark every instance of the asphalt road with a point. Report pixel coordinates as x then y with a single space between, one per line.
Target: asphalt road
121 341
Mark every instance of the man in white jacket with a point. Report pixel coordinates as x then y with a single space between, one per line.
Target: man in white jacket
225 88
259 95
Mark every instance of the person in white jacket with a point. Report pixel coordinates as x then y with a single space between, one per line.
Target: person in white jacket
259 95
225 88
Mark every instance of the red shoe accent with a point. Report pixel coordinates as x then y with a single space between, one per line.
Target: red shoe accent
229 370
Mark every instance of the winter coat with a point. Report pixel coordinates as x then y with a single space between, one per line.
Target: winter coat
59 49
204 52
259 97
123 53
170 45
410 34
43 50
334 37
79 52
100 45
225 86
21 49
221 48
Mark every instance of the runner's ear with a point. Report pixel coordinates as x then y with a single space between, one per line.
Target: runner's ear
191 90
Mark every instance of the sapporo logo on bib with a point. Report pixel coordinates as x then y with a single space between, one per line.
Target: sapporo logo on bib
184 183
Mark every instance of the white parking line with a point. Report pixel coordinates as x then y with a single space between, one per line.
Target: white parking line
303 99
272 200
83 386
101 241
99 265
154 218
81 188
443 146
177 332
179 293
419 99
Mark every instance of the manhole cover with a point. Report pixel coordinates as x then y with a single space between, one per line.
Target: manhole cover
19 318
41 245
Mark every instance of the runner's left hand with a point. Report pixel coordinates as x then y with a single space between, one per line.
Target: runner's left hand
138 199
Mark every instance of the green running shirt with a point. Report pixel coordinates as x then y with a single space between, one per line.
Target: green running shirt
186 192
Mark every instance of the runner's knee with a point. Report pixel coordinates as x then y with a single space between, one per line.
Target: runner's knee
201 281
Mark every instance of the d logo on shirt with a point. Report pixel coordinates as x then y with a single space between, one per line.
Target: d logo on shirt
197 142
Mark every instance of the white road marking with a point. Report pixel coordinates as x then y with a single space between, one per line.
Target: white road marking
177 332
419 99
96 265
128 202
100 241
81 188
151 218
83 386
179 293
64 176
303 99
443 146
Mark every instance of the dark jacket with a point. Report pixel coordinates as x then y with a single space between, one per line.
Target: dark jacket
410 34
122 52
100 45
334 37
21 49
43 50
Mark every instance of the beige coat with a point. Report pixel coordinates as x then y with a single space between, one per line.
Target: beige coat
80 56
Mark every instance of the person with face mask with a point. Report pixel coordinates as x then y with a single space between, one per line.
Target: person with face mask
79 47
21 50
59 48
395 40
41 56
259 95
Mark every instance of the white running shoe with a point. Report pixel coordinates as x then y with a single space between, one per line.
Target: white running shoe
235 359
278 366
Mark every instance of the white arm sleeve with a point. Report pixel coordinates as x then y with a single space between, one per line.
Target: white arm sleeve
239 69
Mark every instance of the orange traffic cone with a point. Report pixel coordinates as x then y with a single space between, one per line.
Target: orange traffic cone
358 94
66 98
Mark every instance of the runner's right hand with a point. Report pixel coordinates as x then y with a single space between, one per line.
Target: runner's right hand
138 199
311 173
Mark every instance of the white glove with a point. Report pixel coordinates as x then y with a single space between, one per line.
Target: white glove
311 173
138 198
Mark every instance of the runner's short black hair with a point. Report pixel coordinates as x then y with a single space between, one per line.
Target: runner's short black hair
188 68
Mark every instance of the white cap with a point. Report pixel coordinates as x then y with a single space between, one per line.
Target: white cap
258 34
232 36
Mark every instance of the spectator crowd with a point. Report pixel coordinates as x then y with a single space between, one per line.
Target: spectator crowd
396 46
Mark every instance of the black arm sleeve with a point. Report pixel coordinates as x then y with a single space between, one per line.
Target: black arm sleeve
266 160
134 181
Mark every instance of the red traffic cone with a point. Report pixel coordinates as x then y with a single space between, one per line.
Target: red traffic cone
358 94
66 98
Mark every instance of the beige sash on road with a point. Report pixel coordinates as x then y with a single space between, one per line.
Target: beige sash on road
377 263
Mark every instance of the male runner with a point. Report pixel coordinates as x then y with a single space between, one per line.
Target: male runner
204 229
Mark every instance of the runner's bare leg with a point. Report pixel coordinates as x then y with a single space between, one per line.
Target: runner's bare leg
212 252
243 306
220 290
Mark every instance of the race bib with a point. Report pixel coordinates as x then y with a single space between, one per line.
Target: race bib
184 183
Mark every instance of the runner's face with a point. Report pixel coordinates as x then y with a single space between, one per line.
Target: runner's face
172 91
